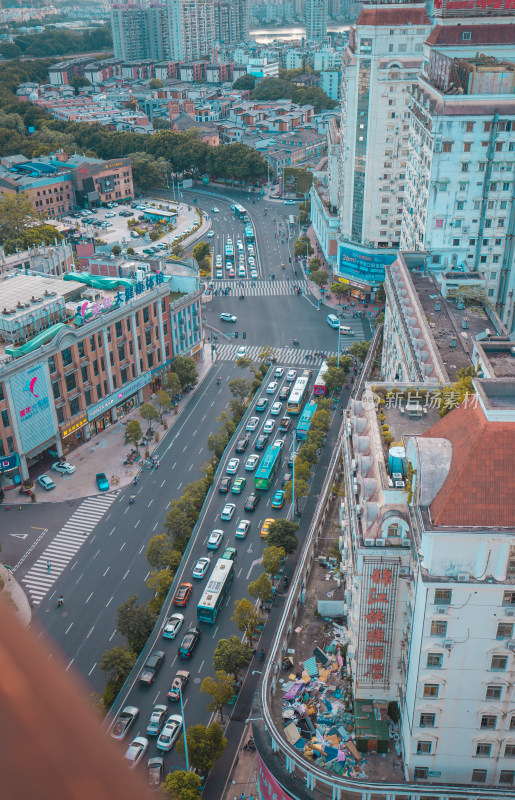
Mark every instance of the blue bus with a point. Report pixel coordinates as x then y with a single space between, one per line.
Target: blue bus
215 591
267 469
305 420
249 233
238 210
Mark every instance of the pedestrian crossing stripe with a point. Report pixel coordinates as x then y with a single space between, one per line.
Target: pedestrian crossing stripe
39 579
284 355
260 288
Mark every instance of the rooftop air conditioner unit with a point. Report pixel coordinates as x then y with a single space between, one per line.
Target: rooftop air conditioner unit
448 644
463 577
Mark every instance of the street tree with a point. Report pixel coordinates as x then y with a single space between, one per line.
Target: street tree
134 621
302 468
320 421
309 454
117 663
133 432
201 252
130 251
261 588
171 383
147 171
320 277
159 581
247 618
181 785
231 655
116 250
360 350
160 552
179 524
314 264
16 215
221 690
177 250
315 438
335 378
272 559
217 442
164 401
244 363
185 369
243 82
148 412
380 295
323 403
205 745
240 388
301 490
339 289
302 247
282 532
346 363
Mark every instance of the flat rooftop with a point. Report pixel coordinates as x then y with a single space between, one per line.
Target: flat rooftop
20 292
446 324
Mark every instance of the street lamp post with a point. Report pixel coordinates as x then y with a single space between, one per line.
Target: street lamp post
338 356
184 733
293 478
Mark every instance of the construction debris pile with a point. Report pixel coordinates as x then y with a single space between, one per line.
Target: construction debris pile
317 710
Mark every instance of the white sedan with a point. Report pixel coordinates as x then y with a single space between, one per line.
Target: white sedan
172 626
251 462
269 426
242 528
201 567
170 733
215 537
291 375
272 387
276 409
278 372
63 467
252 423
136 750
232 466
241 352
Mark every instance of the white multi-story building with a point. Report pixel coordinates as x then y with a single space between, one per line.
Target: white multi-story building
459 199
263 68
330 83
294 59
324 197
429 547
327 58
129 31
316 20
191 28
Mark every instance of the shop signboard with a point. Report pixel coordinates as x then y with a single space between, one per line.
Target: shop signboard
117 397
364 264
473 8
376 618
32 407
269 787
9 462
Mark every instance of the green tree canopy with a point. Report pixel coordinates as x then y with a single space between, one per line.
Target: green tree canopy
160 552
164 401
181 785
155 83
360 350
272 559
202 251
244 82
133 432
134 621
148 412
118 662
339 289
282 533
302 246
319 276
148 172
231 655
16 214
171 383
205 745
261 588
221 690
185 369
240 388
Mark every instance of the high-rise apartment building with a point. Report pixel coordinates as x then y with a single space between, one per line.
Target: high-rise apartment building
231 19
316 20
459 199
191 28
129 31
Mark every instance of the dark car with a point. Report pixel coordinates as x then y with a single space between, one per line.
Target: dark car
284 424
189 642
152 666
241 445
182 595
155 772
260 442
225 485
286 478
251 502
284 393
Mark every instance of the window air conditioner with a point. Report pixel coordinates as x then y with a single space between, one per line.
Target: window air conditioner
509 613
448 644
463 577
511 646
441 610
369 542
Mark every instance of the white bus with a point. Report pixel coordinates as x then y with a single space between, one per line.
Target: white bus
215 591
298 394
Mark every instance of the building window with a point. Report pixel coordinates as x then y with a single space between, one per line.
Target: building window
70 381
87 397
465 36
499 662
438 628
434 660
431 690
443 597
509 751
420 774
479 776
56 390
500 222
493 692
469 127
464 166
506 777
493 186
67 357
60 414
438 223
427 720
74 406
508 599
483 749
118 328
424 748
467 146
488 722
460 205
447 147
456 242
5 419
84 373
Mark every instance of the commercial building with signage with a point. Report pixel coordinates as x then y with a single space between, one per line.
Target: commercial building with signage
83 354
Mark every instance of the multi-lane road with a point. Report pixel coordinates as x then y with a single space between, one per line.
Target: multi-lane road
105 548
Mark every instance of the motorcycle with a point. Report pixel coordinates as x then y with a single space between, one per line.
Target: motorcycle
25 490
250 745
131 499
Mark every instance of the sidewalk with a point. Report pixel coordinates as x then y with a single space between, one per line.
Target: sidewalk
14 594
242 781
106 452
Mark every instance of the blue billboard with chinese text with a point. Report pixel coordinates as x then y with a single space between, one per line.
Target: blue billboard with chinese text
33 406
363 264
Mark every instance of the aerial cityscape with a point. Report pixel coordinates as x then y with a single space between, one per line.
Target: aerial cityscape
257 399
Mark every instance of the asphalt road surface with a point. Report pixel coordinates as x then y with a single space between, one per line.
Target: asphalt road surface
111 566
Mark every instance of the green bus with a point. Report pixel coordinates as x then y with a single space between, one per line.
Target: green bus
215 591
268 467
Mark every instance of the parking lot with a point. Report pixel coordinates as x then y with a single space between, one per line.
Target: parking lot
110 224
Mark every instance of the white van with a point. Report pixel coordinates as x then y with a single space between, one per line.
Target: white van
333 321
344 329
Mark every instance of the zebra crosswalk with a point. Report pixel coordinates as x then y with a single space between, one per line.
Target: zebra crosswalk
57 555
260 288
284 355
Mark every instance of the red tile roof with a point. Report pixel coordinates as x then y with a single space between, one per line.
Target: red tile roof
399 16
479 34
480 487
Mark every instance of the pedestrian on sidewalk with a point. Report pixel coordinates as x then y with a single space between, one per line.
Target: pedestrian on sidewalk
242 796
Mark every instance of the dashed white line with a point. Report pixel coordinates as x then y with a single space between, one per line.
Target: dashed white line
191 467
200 670
146 576
123 545
105 573
239 573
91 631
163 483
68 628
109 601
125 575
136 524
89 598
69 665
155 526
214 632
141 549
151 501
112 635
112 532
92 668
96 554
